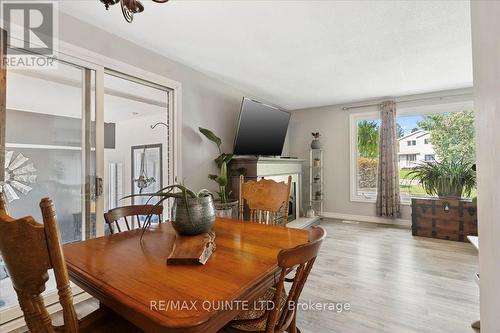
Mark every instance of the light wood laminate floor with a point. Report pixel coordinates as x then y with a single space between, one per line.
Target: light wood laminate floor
394 282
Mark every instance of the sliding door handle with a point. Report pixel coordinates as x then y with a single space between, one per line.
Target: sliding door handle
98 186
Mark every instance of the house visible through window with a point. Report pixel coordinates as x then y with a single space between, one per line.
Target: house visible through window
422 138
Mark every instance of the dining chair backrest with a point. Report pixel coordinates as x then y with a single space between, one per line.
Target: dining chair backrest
266 199
113 216
300 258
29 250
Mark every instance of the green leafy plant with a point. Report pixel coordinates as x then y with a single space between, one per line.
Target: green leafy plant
452 134
368 139
455 178
176 191
222 161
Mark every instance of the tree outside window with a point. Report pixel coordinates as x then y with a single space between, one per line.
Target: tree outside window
438 136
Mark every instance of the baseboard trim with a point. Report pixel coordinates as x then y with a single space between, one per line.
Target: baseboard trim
364 218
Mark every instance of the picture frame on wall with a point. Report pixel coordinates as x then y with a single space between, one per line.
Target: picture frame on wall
147 171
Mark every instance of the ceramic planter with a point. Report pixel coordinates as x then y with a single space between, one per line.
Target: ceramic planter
199 219
226 210
316 144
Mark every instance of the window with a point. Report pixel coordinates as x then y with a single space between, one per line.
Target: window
409 160
430 157
439 121
366 157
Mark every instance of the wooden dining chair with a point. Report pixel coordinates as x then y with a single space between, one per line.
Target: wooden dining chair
113 216
29 250
267 200
282 316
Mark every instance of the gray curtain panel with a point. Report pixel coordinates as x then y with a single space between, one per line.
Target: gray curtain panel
388 197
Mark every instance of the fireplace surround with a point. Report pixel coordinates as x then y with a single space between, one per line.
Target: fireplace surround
277 169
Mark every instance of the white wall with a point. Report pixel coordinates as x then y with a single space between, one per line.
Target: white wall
333 124
206 101
486 57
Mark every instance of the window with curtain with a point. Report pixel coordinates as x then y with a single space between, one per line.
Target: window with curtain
424 136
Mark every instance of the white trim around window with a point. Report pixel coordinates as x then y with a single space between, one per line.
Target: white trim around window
353 154
444 105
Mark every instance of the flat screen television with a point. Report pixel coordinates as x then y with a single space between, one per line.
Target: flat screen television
261 129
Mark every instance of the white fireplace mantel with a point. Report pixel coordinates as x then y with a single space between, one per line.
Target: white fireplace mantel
277 169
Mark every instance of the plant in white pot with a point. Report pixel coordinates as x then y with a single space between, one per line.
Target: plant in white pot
224 206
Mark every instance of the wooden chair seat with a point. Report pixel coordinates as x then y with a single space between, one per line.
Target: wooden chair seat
282 316
255 318
29 250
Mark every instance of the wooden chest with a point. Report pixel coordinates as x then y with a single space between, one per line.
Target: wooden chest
452 219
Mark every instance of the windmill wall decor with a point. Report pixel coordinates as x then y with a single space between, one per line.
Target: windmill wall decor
18 174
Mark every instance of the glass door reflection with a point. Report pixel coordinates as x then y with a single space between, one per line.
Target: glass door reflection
50 151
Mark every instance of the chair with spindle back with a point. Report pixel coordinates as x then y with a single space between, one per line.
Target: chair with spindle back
113 216
29 250
265 200
282 315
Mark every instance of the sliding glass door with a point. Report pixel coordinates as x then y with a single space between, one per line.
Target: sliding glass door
85 136
137 146
50 151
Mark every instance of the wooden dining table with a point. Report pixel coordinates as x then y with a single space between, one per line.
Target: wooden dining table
131 277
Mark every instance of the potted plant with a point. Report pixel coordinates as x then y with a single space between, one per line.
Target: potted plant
193 213
445 178
224 206
449 216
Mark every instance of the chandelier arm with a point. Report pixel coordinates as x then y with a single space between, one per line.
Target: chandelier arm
129 7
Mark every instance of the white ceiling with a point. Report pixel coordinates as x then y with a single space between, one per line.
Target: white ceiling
300 54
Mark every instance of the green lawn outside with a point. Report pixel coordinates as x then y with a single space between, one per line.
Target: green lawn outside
417 190
414 190
403 173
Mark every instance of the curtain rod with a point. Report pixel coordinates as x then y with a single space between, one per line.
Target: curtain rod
346 108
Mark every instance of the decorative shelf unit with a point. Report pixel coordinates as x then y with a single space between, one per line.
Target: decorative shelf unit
316 180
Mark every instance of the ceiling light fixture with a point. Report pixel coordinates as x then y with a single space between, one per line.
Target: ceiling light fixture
129 7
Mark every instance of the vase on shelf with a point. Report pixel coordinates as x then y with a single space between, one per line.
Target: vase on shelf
316 144
310 212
